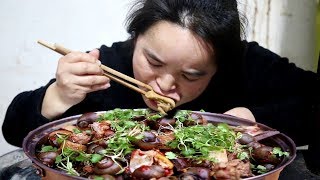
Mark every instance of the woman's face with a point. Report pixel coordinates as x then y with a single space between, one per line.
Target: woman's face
173 61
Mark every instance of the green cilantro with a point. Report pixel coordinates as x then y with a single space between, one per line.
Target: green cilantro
261 169
189 152
154 116
126 130
137 137
277 151
61 138
68 167
198 141
223 127
243 155
183 115
82 157
98 178
122 114
58 159
96 158
48 149
120 144
76 130
65 160
171 155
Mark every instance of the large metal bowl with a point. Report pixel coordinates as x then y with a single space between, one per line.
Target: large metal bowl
38 136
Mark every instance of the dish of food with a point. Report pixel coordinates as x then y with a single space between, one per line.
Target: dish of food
141 144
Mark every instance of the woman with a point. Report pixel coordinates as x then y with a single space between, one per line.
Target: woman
190 51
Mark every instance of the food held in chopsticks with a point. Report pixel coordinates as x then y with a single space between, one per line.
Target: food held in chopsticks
164 104
140 144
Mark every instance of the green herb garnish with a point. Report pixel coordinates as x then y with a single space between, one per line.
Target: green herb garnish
96 158
76 131
277 151
171 155
48 149
183 115
199 140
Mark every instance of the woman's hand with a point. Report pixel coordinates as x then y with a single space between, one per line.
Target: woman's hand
77 74
241 112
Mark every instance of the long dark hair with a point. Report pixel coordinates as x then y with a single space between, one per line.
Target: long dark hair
217 22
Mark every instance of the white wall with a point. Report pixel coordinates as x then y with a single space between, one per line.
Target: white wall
76 24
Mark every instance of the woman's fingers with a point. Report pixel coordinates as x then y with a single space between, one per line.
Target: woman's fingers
82 90
91 80
99 87
95 53
80 57
67 80
79 63
75 93
85 68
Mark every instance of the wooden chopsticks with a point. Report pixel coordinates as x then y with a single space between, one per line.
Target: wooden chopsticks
111 73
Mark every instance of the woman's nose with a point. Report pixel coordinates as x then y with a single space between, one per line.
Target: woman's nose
166 82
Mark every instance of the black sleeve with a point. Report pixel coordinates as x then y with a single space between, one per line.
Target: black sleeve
286 98
23 115
283 96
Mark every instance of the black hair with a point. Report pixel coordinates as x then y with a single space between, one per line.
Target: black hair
217 22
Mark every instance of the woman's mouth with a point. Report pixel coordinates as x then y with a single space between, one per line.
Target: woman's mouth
153 103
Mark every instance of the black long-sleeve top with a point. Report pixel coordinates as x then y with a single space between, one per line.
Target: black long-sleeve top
278 93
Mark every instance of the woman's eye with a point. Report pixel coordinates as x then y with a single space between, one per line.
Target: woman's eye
190 77
154 63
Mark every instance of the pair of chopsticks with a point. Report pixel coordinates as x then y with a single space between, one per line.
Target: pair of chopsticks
111 73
